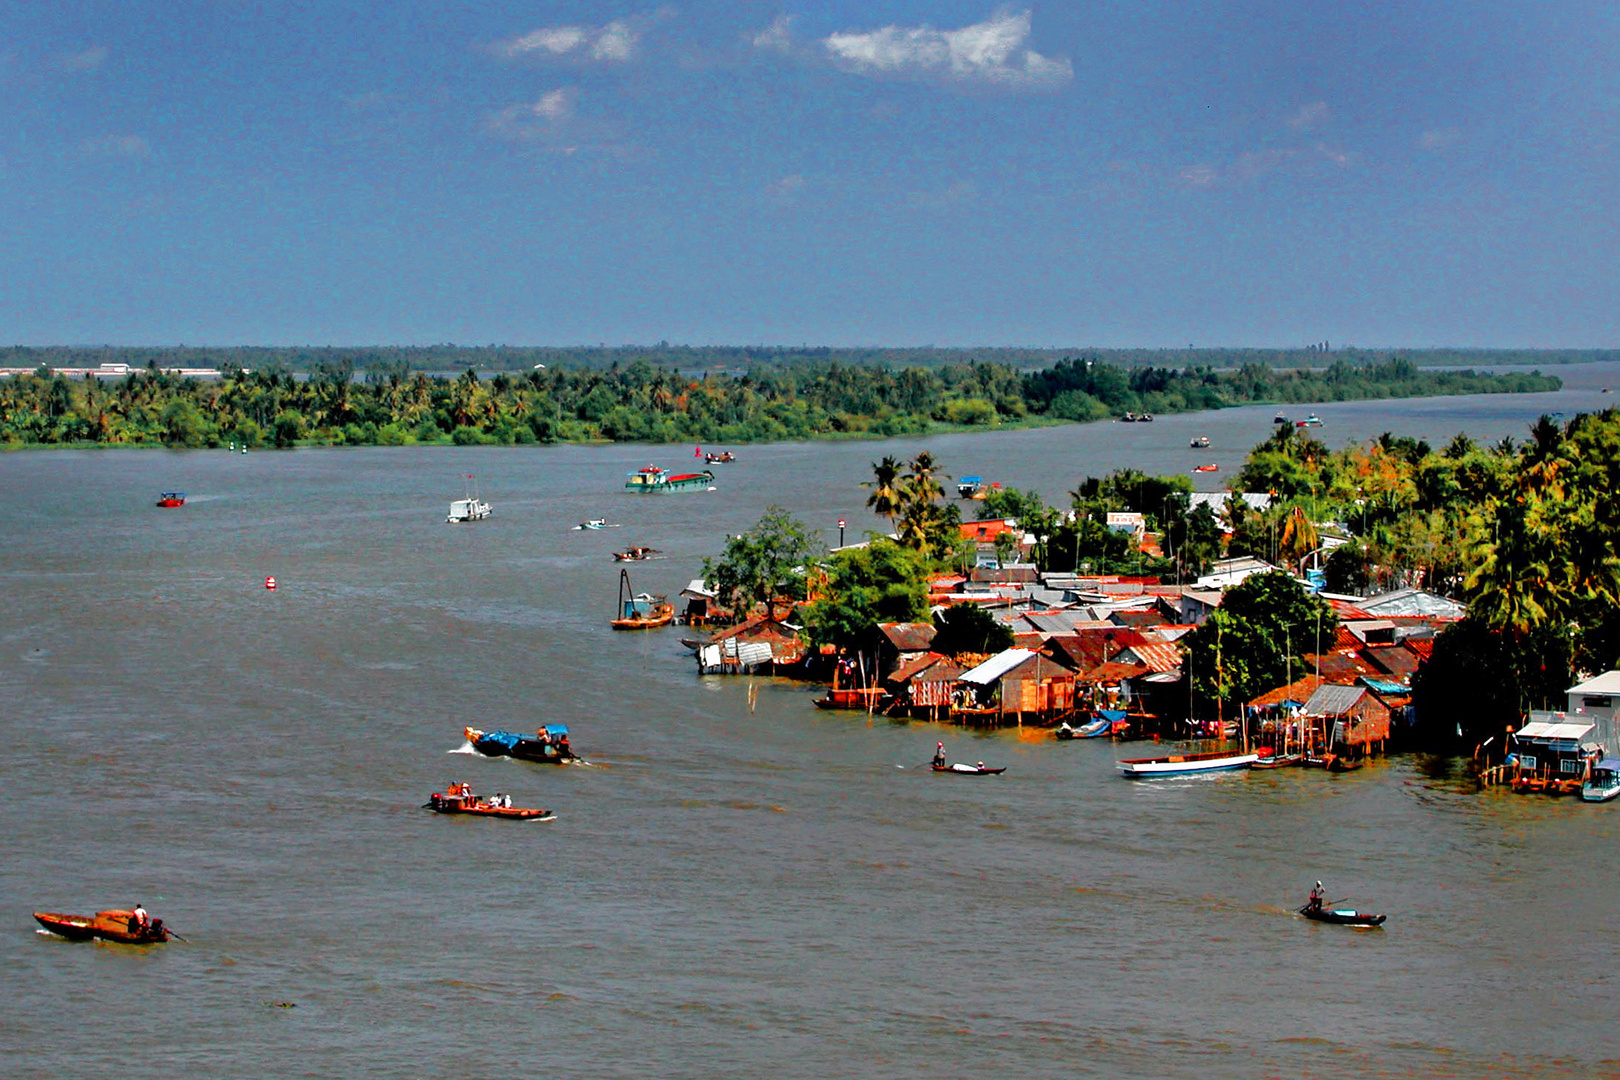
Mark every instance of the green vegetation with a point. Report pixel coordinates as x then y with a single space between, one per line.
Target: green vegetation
641 403
1255 640
768 562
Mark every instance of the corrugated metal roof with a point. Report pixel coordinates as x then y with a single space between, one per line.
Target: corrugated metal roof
1159 656
908 636
1606 683
1560 732
1330 699
995 667
1413 602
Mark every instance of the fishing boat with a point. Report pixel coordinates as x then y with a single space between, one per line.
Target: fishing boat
471 508
170 499
593 523
1268 759
855 698
460 800
970 487
1206 468
1340 763
981 769
640 611
1280 418
1604 783
116 925
635 554
1200 443
1310 421
549 745
1341 916
723 458
1182 764
655 481
1128 418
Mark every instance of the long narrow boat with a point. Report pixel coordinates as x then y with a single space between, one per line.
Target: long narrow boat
1341 916
117 925
971 770
1181 764
549 745
655 481
465 802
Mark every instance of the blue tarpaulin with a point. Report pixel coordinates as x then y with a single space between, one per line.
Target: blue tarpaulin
504 739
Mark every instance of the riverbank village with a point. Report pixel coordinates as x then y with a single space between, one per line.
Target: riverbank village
1103 656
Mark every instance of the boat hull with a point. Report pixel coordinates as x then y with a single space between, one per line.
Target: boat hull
440 804
1590 793
523 748
1184 764
970 770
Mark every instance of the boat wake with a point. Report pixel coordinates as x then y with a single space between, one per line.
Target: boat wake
465 748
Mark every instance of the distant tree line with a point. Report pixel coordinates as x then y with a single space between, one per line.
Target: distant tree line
389 403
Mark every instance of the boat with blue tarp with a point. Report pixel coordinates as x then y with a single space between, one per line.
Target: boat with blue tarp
549 745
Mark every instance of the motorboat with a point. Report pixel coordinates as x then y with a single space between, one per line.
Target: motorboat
1206 468
115 925
1604 782
640 611
655 481
549 745
1200 443
593 523
980 769
635 554
170 499
471 508
970 487
460 800
723 458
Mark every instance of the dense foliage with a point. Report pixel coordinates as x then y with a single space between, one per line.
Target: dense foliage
768 562
395 405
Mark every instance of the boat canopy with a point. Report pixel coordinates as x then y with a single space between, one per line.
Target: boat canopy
555 730
172 494
1609 764
970 480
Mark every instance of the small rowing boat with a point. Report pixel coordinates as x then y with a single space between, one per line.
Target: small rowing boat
981 769
1341 916
1181 764
116 925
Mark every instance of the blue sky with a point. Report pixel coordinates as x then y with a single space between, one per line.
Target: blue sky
1124 172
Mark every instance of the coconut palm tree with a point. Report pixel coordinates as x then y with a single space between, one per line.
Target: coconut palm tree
886 497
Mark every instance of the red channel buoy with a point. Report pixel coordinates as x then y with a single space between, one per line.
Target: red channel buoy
270 583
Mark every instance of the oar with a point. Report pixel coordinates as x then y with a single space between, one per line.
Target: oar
177 937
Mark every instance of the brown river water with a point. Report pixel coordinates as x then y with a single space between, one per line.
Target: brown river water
725 893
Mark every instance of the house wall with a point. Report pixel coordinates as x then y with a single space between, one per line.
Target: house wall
1599 709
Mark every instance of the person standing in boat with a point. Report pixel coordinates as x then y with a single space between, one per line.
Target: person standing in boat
1315 902
139 921
939 755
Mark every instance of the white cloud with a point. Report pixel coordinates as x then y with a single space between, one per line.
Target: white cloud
1308 116
786 187
132 146
614 42
992 51
88 60
777 36
534 121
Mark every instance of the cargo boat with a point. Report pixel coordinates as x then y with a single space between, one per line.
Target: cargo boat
655 481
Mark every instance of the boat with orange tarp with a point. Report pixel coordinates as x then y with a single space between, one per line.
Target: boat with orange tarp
117 925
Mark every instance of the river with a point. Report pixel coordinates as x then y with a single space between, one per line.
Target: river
776 892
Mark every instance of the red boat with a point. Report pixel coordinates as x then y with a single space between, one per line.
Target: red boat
171 499
460 800
117 925
1206 468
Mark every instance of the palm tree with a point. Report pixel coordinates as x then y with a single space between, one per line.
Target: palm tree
886 497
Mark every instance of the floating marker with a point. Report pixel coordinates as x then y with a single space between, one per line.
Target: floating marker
270 583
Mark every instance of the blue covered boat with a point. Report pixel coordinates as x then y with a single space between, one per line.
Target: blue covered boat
549 745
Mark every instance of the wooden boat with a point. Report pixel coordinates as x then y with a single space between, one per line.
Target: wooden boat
723 458
655 481
1280 418
981 769
170 499
1182 764
1341 916
115 925
1128 418
862 698
1277 761
1604 783
1310 421
1145 418
970 487
635 554
462 801
642 611
1200 443
1340 763
1206 468
549 745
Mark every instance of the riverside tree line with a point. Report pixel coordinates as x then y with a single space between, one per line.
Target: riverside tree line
392 405
1526 533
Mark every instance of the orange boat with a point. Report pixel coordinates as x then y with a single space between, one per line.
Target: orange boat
460 800
640 612
171 499
117 925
